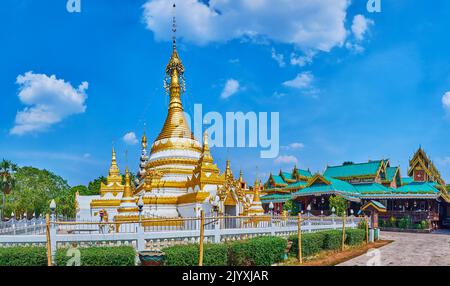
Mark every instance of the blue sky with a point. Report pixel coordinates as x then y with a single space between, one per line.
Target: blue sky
368 85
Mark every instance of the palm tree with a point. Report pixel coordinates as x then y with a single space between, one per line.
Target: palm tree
7 180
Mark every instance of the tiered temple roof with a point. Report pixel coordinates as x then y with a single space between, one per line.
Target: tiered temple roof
368 180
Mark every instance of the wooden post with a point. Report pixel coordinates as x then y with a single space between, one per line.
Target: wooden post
49 244
367 229
299 237
343 230
202 237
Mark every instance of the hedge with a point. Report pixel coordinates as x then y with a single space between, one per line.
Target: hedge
332 239
23 256
100 256
258 251
355 236
187 255
313 243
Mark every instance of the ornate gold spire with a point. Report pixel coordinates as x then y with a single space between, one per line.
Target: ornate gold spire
256 190
206 153
241 176
114 172
127 192
228 172
175 124
144 141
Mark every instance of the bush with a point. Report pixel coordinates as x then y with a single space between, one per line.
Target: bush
392 222
362 224
187 255
23 256
355 236
405 222
312 243
332 239
259 251
100 256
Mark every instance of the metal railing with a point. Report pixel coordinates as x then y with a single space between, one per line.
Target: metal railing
23 226
156 233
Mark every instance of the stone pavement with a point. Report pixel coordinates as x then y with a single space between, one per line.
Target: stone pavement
408 249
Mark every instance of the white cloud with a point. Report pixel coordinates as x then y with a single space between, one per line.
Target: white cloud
357 48
286 159
293 146
130 138
279 58
304 60
296 145
231 87
360 26
301 81
308 24
49 100
446 101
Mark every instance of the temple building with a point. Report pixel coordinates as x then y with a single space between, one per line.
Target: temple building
421 196
178 178
279 188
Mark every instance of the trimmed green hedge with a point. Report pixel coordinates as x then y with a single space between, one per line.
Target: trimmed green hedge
100 256
355 236
332 240
187 255
258 251
313 243
23 256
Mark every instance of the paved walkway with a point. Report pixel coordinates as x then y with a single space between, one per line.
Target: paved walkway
407 249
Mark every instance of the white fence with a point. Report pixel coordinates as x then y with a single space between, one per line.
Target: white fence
154 234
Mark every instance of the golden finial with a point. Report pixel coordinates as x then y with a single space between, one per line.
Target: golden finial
256 188
241 176
144 138
228 172
127 190
174 28
114 169
174 68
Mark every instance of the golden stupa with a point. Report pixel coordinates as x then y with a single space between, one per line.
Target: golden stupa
179 177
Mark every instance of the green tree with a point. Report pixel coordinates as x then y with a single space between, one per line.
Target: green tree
291 206
7 181
82 190
339 204
94 186
448 188
35 188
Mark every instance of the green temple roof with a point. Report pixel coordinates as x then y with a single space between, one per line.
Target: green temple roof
278 179
297 184
276 197
390 173
353 170
334 186
287 176
372 188
304 173
418 187
407 180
